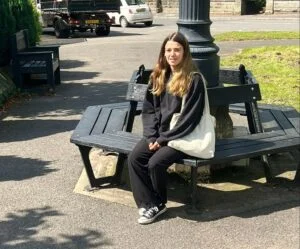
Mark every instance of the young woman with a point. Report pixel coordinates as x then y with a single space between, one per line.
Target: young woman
171 78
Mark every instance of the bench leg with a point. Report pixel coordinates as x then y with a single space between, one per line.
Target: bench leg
57 76
297 176
50 75
193 192
51 80
296 155
85 151
119 169
18 78
267 168
95 183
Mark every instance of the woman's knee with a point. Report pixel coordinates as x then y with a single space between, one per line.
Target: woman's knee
155 165
132 160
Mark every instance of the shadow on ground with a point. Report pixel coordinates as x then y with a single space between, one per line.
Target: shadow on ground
17 169
230 191
18 230
41 114
243 192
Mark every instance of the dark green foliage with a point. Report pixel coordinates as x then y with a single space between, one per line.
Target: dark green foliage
14 16
7 27
26 18
260 4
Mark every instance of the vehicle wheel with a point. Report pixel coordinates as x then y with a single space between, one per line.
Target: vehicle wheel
61 33
101 31
148 24
123 22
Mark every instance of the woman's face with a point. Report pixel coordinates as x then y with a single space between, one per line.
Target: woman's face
174 54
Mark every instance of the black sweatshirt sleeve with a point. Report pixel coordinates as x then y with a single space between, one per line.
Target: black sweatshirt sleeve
191 113
149 117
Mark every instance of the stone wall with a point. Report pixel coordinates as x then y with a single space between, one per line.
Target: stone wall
229 7
282 6
168 6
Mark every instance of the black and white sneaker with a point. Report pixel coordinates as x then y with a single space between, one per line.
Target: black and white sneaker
142 210
152 213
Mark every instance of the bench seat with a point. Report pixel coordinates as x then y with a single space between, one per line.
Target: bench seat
227 150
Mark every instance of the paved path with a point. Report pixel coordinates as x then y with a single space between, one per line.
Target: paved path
39 169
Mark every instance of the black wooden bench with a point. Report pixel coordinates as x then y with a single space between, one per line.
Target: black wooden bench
27 60
109 127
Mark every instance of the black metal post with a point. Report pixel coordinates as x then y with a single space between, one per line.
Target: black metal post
194 23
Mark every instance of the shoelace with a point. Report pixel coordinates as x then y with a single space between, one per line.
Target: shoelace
149 213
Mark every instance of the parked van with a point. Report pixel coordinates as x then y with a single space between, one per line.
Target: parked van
131 12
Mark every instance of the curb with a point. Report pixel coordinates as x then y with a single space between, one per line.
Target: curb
292 16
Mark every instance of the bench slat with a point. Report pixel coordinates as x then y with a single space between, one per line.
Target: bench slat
293 117
251 148
217 95
268 121
126 141
101 122
284 122
275 145
116 120
226 75
87 121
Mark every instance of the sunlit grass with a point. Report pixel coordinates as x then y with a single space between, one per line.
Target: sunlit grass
276 69
258 35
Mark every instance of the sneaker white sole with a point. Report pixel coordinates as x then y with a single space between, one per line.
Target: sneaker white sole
144 220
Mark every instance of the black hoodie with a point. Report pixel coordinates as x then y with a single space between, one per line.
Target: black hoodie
157 113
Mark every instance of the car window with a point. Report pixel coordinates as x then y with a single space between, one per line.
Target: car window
135 2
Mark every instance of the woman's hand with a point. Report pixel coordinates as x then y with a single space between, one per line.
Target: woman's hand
154 146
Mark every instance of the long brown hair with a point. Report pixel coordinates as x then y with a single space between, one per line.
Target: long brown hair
181 78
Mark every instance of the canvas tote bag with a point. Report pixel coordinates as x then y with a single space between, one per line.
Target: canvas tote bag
201 141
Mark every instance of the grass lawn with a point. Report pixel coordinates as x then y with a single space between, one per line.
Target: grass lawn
276 69
258 35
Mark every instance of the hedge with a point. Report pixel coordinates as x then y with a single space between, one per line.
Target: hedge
14 16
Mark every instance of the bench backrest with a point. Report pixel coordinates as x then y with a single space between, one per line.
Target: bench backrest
19 42
235 86
241 88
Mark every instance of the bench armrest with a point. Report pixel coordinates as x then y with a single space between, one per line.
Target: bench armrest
54 49
46 55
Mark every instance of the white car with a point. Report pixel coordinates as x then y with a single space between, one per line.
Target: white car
131 12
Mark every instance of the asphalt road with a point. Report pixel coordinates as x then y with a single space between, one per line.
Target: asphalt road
39 167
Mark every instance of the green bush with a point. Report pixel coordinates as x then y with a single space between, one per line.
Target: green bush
26 17
14 16
7 27
260 4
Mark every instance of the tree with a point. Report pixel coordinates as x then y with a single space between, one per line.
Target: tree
158 6
27 18
7 27
14 16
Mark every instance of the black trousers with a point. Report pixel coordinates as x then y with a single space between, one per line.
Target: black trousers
148 173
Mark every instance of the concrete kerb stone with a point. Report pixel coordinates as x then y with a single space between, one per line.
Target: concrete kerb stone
278 16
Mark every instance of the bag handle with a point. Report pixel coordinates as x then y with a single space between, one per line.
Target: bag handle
206 102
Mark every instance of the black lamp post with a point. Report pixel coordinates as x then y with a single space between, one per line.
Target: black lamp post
194 23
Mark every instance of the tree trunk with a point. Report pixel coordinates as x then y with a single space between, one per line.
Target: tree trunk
159 8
